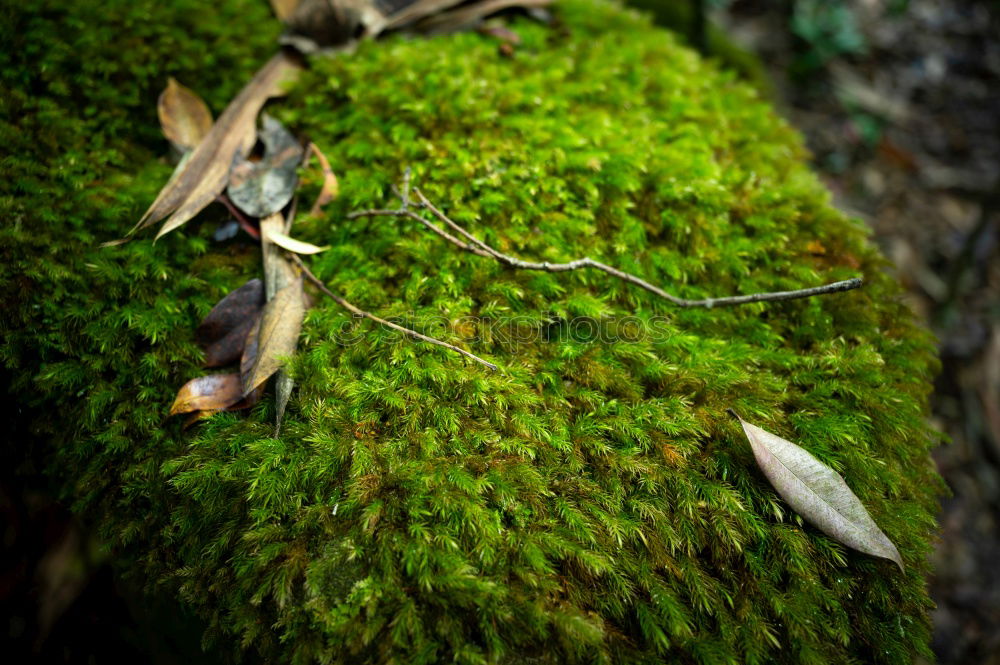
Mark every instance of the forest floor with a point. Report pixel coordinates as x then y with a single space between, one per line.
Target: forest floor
900 105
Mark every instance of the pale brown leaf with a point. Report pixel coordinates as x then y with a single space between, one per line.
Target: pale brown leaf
278 271
818 494
244 403
284 8
184 117
278 274
331 187
293 245
283 381
465 16
278 335
208 393
249 358
207 171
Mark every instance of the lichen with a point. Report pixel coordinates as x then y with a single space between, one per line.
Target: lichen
589 502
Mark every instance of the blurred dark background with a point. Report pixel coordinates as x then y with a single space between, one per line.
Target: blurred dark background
899 101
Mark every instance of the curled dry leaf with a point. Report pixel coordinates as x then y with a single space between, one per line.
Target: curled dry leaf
244 403
208 393
206 173
223 332
818 494
293 245
265 187
278 334
184 117
284 8
330 187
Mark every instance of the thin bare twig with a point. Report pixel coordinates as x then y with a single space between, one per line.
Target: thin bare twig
244 223
360 312
476 246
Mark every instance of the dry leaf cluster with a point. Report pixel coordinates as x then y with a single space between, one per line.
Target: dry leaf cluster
258 324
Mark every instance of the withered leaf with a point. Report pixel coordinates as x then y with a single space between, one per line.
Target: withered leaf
500 32
184 117
278 274
818 494
462 17
265 187
331 187
208 393
245 403
293 245
409 12
249 357
278 271
284 8
222 333
207 171
278 335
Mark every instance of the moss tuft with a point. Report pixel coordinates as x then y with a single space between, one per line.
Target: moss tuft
590 502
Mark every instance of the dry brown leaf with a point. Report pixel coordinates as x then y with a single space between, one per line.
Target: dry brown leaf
284 8
223 332
244 403
414 11
293 245
278 274
278 335
207 171
249 357
501 33
184 117
466 15
331 187
208 393
818 494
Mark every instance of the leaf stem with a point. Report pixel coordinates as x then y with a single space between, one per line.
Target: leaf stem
244 223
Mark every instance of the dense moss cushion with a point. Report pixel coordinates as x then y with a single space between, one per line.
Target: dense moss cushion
589 502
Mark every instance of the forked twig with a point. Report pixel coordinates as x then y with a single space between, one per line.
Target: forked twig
360 312
478 247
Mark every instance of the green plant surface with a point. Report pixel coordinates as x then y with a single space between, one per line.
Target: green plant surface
591 502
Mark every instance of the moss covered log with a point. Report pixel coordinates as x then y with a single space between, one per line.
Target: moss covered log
590 502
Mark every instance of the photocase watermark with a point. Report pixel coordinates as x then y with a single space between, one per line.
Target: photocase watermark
513 331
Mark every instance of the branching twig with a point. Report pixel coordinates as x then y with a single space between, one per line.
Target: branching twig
359 312
480 248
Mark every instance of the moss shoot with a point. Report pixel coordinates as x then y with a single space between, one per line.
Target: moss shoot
591 502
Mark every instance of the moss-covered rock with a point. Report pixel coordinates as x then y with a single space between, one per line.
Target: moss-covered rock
589 502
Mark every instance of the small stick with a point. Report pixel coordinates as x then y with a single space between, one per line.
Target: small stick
480 248
245 224
360 312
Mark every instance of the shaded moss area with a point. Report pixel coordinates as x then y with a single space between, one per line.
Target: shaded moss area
589 502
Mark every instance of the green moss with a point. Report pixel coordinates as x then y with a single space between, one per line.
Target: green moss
590 502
